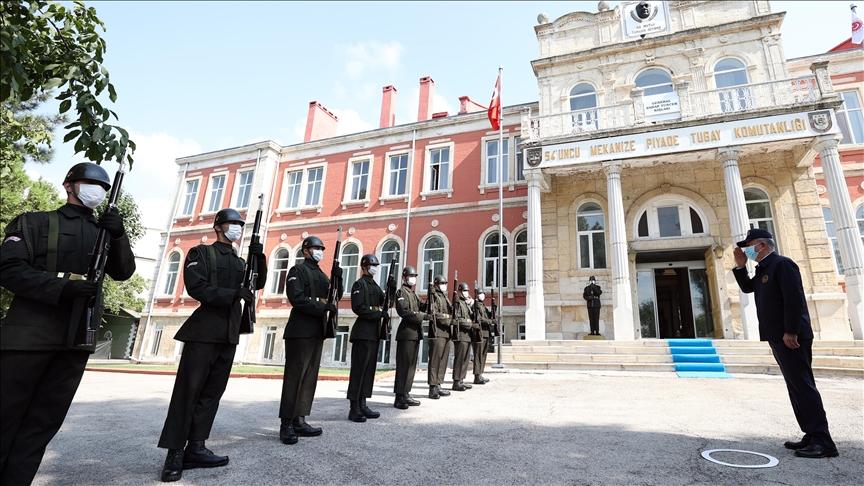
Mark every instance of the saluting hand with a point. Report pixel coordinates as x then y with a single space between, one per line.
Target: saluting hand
112 222
791 340
740 257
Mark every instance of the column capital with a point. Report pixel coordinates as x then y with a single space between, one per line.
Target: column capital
612 167
825 142
536 178
728 153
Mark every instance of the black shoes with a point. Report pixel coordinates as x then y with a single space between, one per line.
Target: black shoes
355 414
368 412
401 402
196 455
797 445
173 468
458 386
410 401
480 380
286 433
443 392
434 392
466 385
302 429
817 451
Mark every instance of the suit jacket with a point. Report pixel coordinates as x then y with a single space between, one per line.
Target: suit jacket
306 289
592 295
412 312
780 302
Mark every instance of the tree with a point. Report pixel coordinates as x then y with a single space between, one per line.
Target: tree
46 46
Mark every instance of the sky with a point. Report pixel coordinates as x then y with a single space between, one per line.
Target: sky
193 77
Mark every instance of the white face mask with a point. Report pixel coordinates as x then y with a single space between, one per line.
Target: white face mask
373 270
90 195
317 255
481 297
234 232
466 295
412 281
442 288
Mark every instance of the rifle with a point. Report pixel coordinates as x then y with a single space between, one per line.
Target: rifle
494 315
84 316
389 300
250 274
454 323
433 321
476 318
333 291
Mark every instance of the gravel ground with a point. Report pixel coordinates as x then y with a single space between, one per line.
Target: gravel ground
522 428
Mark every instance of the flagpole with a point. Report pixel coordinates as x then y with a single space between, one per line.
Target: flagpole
498 363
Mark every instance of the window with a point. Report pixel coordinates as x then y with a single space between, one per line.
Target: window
191 197
350 261
654 81
439 169
295 190
397 175
244 189
280 271
157 340
522 258
859 216
832 236
292 189
850 118
494 157
269 343
759 209
591 236
314 179
730 76
340 345
217 189
490 260
583 107
298 257
389 253
384 353
670 219
520 159
171 275
433 253
358 180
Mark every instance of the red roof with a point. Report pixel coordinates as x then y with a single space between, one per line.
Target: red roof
845 46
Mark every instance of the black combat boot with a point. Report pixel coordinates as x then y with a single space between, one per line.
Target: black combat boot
466 385
173 468
480 380
458 386
305 430
400 402
197 455
286 432
410 400
804 442
434 392
443 392
354 414
368 412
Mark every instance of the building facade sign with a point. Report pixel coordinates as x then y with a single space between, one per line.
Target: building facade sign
663 106
717 135
644 17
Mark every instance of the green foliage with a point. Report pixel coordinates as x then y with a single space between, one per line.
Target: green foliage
124 294
46 46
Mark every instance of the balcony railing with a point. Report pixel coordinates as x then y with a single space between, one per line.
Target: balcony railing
698 104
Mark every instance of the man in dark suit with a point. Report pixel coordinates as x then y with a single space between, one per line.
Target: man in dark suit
784 322
591 294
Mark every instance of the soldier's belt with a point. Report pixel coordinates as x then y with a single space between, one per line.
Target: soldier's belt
375 308
318 299
467 322
443 316
71 276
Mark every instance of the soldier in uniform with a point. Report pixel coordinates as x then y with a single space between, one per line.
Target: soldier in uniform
480 344
306 288
439 336
591 294
367 300
42 260
212 275
462 313
408 338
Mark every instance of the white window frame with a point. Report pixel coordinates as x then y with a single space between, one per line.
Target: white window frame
427 170
832 240
156 339
422 285
510 182
516 258
385 268
273 260
235 192
165 274
304 182
347 196
843 111
591 264
341 340
583 119
183 194
384 351
751 221
508 264
683 205
263 350
644 89
385 186
345 269
208 196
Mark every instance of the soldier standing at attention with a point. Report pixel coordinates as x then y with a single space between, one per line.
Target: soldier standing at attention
42 261
306 288
408 337
462 342
367 300
439 337
482 316
212 275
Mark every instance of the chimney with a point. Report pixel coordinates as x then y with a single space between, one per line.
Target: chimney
388 107
320 122
427 89
467 105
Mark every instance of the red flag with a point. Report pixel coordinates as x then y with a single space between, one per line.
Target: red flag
857 27
494 111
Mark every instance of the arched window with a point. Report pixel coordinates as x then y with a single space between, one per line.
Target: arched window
298 257
583 105
591 236
389 253
350 262
759 209
521 258
171 274
730 76
433 253
280 270
654 81
490 260
670 218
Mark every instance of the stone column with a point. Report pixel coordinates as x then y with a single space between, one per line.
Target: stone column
848 237
535 306
622 300
739 223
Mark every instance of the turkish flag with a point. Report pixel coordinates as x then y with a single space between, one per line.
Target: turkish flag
857 28
494 110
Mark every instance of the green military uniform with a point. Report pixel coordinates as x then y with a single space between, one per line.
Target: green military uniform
480 345
408 337
439 337
367 300
462 313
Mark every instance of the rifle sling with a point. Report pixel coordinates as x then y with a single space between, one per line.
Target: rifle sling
53 242
211 265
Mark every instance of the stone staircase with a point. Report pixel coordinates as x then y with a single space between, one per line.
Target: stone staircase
830 358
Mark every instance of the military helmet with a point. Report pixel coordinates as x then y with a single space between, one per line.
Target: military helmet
228 215
369 259
463 286
409 271
90 171
439 279
312 242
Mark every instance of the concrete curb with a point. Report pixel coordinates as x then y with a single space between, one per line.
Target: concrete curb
262 376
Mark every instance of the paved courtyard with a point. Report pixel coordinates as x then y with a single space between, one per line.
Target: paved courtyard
522 428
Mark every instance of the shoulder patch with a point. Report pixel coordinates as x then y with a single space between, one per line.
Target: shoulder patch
191 264
292 278
356 292
401 298
13 239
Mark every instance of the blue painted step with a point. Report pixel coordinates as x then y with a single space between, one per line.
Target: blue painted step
699 367
690 342
695 358
692 350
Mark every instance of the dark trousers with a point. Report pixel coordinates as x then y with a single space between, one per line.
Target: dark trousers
37 388
460 359
439 353
302 362
594 319
201 380
480 350
795 364
364 359
406 366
